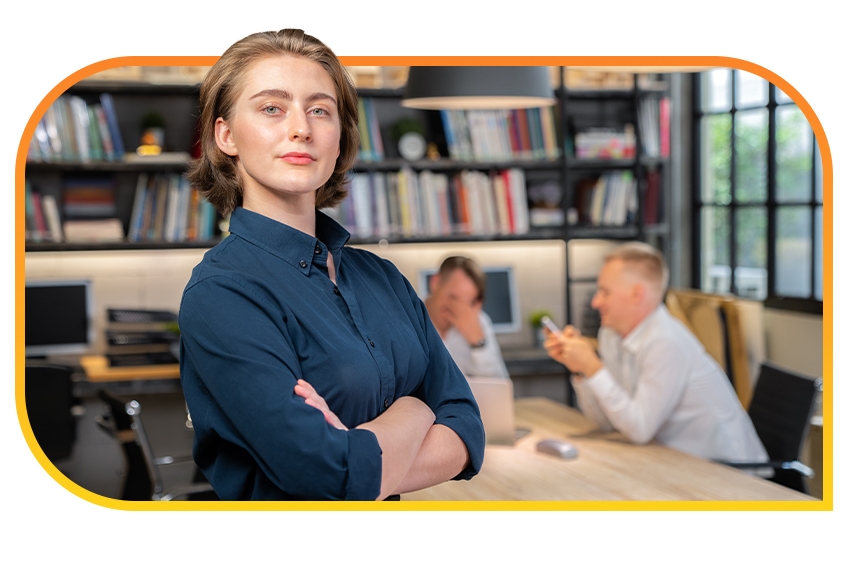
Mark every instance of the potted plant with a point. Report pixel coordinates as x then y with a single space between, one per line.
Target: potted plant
536 325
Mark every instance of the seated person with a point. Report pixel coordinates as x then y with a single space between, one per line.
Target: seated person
653 380
455 305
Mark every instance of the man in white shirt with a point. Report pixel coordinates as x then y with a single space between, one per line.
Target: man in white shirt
455 305
653 380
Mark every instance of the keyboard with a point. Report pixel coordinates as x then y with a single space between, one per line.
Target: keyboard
117 338
143 359
135 316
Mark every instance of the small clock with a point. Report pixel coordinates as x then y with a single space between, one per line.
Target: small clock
412 146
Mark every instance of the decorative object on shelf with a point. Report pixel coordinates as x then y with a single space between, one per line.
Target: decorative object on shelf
433 152
153 134
535 320
545 204
409 132
412 146
438 88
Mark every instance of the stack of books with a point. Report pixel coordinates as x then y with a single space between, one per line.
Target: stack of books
604 143
655 126
370 140
410 204
73 130
609 200
501 135
168 208
42 222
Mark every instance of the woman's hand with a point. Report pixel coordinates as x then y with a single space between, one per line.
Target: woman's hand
311 398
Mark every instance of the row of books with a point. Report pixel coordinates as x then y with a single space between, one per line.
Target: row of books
406 203
501 135
167 207
655 126
609 200
41 215
605 143
370 140
74 130
76 219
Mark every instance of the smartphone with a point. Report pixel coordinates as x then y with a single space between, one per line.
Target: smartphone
550 326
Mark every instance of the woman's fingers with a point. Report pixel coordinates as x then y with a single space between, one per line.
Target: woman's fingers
311 398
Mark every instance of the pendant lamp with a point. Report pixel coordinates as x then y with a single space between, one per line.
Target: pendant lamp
468 88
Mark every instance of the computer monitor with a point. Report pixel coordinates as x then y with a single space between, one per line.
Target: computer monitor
501 302
58 317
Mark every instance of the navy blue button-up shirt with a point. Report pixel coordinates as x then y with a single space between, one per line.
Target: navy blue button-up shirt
259 313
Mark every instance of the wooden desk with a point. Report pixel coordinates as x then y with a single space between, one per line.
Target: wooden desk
607 468
97 369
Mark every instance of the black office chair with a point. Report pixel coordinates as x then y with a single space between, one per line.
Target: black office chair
143 481
50 403
781 408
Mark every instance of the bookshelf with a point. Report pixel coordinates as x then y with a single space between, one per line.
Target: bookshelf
634 120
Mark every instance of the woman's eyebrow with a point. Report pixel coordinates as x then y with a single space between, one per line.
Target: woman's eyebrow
277 93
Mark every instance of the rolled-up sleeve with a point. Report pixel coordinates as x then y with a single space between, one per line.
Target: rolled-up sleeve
239 366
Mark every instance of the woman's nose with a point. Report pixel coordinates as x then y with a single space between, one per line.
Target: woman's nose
298 125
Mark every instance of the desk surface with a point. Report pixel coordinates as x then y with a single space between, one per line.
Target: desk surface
97 368
608 468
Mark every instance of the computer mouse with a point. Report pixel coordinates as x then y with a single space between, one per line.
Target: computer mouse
559 448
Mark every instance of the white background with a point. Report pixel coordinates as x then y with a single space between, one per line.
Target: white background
44 42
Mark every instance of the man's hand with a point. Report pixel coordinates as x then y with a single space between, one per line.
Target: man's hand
312 399
466 319
573 351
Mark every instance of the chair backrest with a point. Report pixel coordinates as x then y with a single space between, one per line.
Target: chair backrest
780 410
48 390
715 322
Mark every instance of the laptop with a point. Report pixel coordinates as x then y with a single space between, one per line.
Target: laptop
495 398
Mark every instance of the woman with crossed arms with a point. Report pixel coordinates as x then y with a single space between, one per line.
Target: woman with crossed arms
311 369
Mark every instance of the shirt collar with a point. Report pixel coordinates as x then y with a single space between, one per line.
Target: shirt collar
289 244
637 337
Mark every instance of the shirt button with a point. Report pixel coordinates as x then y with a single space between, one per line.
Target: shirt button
386 403
371 342
318 249
336 291
303 263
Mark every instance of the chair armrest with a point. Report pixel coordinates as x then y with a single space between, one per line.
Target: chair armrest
802 469
186 490
166 460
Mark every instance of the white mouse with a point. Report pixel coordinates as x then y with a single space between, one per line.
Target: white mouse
559 448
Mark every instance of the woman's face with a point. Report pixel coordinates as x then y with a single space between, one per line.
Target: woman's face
285 129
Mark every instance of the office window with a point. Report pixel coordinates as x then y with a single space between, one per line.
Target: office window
758 193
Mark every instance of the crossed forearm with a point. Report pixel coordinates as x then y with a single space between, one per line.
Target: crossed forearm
400 432
442 456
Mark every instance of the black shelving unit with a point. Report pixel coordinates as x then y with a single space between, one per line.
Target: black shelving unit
178 104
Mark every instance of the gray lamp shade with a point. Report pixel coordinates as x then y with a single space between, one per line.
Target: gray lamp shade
467 88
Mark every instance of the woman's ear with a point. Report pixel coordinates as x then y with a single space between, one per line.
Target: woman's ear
224 138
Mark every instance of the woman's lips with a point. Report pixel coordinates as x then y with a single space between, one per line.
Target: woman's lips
298 158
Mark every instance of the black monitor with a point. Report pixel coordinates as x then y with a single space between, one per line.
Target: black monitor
501 302
58 317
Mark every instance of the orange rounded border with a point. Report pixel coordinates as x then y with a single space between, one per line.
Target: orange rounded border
602 61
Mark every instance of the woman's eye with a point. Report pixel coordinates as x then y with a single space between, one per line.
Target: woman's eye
271 110
319 112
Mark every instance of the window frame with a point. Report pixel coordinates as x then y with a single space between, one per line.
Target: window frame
809 304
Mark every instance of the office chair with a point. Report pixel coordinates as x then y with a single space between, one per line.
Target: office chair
50 403
143 481
781 408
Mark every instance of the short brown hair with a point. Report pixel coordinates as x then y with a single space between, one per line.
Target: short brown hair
647 260
215 173
471 269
